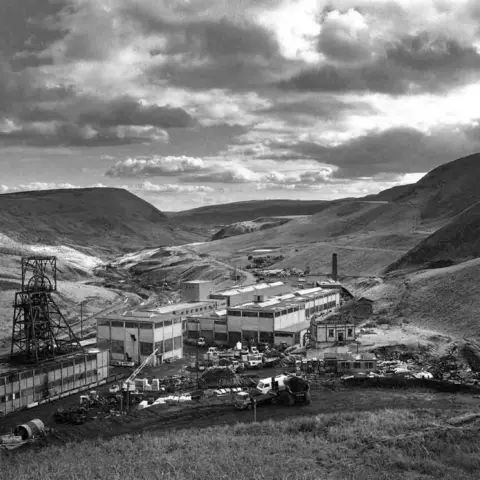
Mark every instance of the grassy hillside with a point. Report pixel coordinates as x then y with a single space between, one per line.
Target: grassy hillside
389 444
442 299
228 213
455 242
107 219
240 228
368 237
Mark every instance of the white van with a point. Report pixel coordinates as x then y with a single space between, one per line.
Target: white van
265 384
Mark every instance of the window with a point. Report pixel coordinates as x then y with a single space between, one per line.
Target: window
146 326
158 324
220 322
345 365
117 346
357 365
177 342
116 323
104 323
221 337
350 332
167 323
146 348
159 346
168 346
369 365
131 324
193 334
234 313
330 332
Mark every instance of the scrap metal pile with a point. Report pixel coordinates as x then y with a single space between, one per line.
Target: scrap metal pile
456 365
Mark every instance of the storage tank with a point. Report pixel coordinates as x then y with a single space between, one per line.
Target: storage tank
29 429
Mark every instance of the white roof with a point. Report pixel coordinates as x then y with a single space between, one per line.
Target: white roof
309 290
221 313
276 284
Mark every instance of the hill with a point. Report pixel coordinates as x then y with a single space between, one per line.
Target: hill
457 241
374 231
241 228
227 213
96 220
406 443
443 193
441 299
367 235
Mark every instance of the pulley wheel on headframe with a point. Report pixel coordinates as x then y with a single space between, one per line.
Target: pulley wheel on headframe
39 283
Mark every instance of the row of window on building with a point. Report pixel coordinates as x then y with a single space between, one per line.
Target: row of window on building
320 308
141 325
146 348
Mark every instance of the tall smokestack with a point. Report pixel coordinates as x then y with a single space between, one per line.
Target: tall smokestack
334 267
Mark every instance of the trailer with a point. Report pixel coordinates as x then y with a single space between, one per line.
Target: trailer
246 400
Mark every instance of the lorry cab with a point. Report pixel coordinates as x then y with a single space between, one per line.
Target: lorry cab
265 384
254 361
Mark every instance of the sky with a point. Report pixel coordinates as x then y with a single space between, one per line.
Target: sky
195 102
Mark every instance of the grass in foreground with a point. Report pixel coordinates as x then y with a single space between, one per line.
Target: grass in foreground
400 444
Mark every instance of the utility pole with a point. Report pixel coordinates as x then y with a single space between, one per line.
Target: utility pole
81 319
255 410
196 365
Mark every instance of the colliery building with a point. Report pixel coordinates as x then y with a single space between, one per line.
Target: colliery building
281 319
134 335
241 295
51 379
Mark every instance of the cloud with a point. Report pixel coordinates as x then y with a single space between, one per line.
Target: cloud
394 151
345 36
34 186
171 188
126 110
70 134
423 62
155 166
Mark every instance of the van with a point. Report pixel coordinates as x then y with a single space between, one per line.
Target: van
265 384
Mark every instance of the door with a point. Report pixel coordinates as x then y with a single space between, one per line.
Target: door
340 336
131 345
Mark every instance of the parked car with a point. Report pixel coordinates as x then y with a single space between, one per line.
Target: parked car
201 342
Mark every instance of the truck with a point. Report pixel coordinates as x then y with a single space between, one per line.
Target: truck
291 390
254 361
246 400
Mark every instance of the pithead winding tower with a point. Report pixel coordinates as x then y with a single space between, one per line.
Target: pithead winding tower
40 331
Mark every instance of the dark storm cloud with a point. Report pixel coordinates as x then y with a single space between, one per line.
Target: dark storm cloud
398 150
216 53
24 32
421 63
126 110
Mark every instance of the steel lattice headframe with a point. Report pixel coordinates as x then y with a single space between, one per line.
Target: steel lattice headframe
40 331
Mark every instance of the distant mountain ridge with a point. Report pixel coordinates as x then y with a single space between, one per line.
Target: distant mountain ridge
228 213
94 219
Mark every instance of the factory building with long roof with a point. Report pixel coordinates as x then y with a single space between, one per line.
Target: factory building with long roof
276 319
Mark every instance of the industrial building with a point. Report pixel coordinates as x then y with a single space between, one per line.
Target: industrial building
52 379
134 336
211 326
241 295
280 319
333 330
197 290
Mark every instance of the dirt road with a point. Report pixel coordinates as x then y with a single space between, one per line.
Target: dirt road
166 417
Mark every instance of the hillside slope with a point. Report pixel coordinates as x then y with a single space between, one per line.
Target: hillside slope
443 299
457 241
240 228
100 220
228 213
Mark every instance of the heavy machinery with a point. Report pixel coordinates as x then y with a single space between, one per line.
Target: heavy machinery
129 384
75 415
92 399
